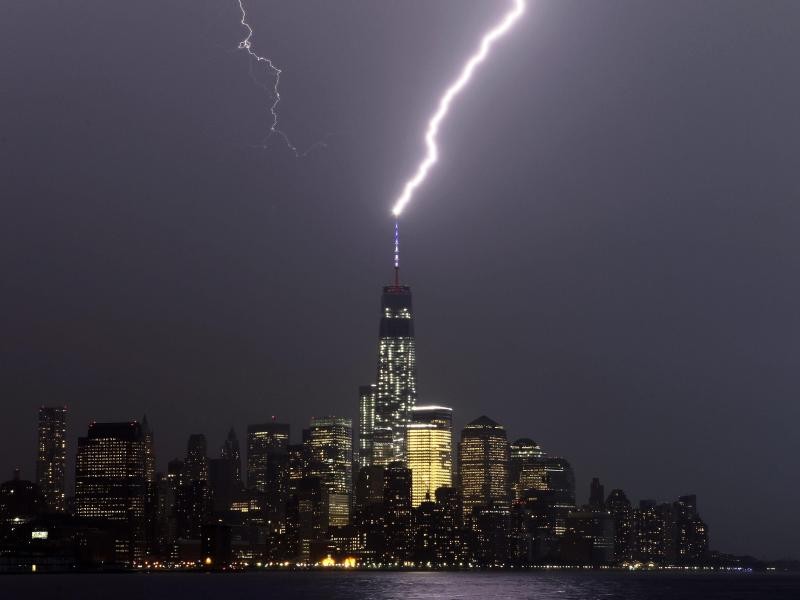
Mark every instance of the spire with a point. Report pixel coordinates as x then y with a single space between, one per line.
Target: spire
397 251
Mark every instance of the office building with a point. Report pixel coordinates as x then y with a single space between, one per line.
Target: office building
51 458
483 466
430 451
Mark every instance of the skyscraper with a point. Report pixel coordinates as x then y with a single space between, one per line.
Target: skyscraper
397 513
149 450
263 441
430 451
331 443
51 458
110 483
527 470
367 395
396 389
483 465
230 450
197 458
621 511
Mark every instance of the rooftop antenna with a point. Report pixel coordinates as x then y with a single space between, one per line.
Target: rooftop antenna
397 251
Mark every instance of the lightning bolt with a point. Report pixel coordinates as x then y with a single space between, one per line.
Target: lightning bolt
431 143
274 91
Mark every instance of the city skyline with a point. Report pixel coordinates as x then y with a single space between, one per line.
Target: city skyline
603 260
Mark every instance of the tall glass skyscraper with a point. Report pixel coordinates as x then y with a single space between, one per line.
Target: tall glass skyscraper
396 389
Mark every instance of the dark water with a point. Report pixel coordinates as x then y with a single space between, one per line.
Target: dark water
402 586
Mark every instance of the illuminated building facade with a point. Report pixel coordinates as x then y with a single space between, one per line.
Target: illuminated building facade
527 469
483 466
263 441
396 389
110 483
51 458
367 396
331 445
430 451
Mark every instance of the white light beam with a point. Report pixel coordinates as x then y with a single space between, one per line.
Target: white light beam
432 149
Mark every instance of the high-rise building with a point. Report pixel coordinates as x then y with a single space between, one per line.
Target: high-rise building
483 465
51 458
110 483
262 441
367 396
560 480
368 515
526 470
396 386
397 513
430 451
691 532
230 450
149 451
621 511
597 495
196 463
299 464
331 446
268 469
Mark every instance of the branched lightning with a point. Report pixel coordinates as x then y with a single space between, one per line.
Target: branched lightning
274 91
431 144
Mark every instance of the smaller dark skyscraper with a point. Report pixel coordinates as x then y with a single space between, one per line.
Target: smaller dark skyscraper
231 451
621 511
149 450
596 495
51 458
397 513
196 464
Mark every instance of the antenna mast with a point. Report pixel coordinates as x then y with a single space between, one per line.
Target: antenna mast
396 251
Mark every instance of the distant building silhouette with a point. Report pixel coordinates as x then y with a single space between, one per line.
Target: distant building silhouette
231 451
51 458
397 513
149 451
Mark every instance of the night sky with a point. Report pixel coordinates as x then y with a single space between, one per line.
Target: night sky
605 259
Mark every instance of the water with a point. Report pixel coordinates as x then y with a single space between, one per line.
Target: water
402 586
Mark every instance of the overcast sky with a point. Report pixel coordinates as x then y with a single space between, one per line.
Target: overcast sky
605 259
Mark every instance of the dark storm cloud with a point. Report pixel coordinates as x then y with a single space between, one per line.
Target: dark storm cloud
605 258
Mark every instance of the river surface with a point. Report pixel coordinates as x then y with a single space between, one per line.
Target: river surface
358 585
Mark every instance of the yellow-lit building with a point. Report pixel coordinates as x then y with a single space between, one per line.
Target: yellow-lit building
483 465
430 451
